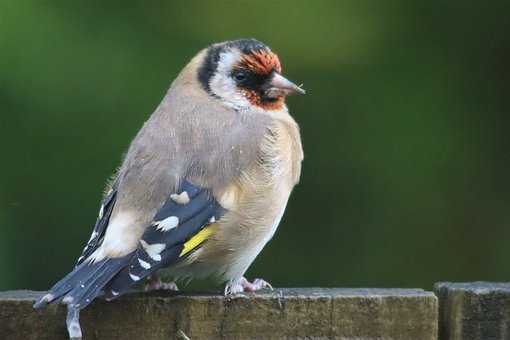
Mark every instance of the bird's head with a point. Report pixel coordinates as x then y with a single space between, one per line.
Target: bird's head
245 73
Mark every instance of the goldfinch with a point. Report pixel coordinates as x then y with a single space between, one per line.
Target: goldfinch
203 185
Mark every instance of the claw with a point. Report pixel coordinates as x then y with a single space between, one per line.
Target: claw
155 283
243 285
261 284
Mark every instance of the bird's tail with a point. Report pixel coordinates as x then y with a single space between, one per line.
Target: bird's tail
84 283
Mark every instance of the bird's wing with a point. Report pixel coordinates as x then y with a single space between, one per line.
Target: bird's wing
105 211
181 226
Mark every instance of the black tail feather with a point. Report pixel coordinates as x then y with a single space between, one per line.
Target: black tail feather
84 283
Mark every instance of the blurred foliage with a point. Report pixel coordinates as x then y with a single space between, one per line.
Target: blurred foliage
407 150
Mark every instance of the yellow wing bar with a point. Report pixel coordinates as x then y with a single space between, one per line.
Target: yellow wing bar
197 240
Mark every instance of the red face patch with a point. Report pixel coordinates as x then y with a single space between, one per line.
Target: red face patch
256 100
261 62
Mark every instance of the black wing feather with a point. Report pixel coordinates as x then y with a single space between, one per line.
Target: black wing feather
114 276
100 227
193 217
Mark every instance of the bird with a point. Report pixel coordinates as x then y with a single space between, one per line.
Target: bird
203 186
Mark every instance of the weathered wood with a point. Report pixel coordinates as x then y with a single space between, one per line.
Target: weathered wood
284 313
477 310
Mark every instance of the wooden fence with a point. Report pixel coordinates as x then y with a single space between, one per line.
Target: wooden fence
457 311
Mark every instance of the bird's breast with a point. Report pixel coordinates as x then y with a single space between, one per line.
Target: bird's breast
255 203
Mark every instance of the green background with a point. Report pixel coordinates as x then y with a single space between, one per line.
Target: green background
405 130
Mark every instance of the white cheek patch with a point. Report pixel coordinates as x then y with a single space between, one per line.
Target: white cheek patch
222 84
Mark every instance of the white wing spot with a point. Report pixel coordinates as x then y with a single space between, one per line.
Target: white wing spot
181 198
114 293
212 219
153 250
134 277
101 211
167 224
144 264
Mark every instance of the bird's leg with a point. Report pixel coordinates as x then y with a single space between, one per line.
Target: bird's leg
73 323
243 285
155 283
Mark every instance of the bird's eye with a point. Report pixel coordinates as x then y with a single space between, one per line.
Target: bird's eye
240 76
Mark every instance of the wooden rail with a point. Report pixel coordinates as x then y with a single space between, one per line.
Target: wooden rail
456 311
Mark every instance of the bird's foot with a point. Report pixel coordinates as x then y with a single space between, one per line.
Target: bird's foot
243 285
155 283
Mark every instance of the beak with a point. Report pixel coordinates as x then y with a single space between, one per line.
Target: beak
281 86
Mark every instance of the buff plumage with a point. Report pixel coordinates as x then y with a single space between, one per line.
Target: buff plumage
203 186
